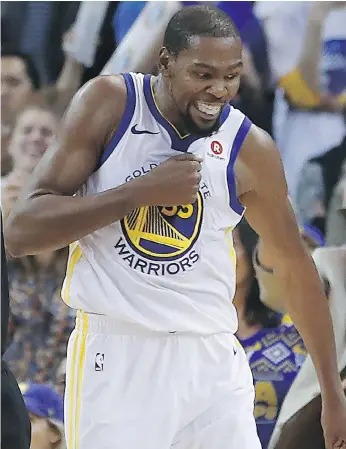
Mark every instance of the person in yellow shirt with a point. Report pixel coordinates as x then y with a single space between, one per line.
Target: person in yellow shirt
307 54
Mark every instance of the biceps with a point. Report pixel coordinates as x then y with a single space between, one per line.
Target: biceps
63 171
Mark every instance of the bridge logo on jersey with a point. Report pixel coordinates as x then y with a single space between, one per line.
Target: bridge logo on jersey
162 233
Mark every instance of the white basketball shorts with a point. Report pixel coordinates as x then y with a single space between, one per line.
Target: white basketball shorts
133 389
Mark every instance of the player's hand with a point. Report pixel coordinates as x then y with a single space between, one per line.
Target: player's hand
334 424
174 182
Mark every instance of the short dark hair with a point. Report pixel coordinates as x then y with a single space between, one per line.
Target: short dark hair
198 20
31 69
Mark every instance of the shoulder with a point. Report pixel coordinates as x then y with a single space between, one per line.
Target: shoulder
97 108
258 143
103 90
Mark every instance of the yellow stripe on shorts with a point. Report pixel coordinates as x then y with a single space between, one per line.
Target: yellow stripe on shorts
84 318
77 367
71 399
75 255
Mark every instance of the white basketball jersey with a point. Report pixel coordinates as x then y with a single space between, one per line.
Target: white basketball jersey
162 268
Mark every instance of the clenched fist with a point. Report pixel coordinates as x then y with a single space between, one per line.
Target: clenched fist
174 182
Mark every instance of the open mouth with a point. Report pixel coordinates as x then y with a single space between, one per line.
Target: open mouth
208 111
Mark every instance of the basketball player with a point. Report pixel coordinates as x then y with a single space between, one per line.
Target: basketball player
163 168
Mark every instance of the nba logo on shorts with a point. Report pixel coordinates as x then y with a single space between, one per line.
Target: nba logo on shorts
99 361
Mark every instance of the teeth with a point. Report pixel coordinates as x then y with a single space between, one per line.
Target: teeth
207 108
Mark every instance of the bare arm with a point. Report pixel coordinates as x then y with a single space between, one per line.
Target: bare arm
70 76
270 285
302 84
298 70
47 216
309 61
270 214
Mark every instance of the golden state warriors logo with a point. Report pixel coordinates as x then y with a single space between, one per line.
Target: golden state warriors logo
161 240
163 233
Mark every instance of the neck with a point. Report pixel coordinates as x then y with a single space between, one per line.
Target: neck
166 104
244 329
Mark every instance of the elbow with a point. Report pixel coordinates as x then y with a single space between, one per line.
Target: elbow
14 237
14 251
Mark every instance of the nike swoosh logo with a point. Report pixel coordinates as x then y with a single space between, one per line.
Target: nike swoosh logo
144 131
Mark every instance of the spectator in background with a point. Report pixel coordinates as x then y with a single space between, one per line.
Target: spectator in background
318 179
60 380
106 43
138 49
20 86
273 346
15 423
254 98
336 220
46 411
312 237
19 79
89 42
310 98
40 322
35 130
37 29
299 423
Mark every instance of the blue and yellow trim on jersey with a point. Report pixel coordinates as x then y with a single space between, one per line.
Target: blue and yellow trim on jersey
242 132
75 253
124 122
231 249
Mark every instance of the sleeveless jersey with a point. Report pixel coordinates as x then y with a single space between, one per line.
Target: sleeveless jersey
163 269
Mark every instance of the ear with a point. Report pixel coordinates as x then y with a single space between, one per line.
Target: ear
166 62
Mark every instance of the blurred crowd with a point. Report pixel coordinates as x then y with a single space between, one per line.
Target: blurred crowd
293 85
